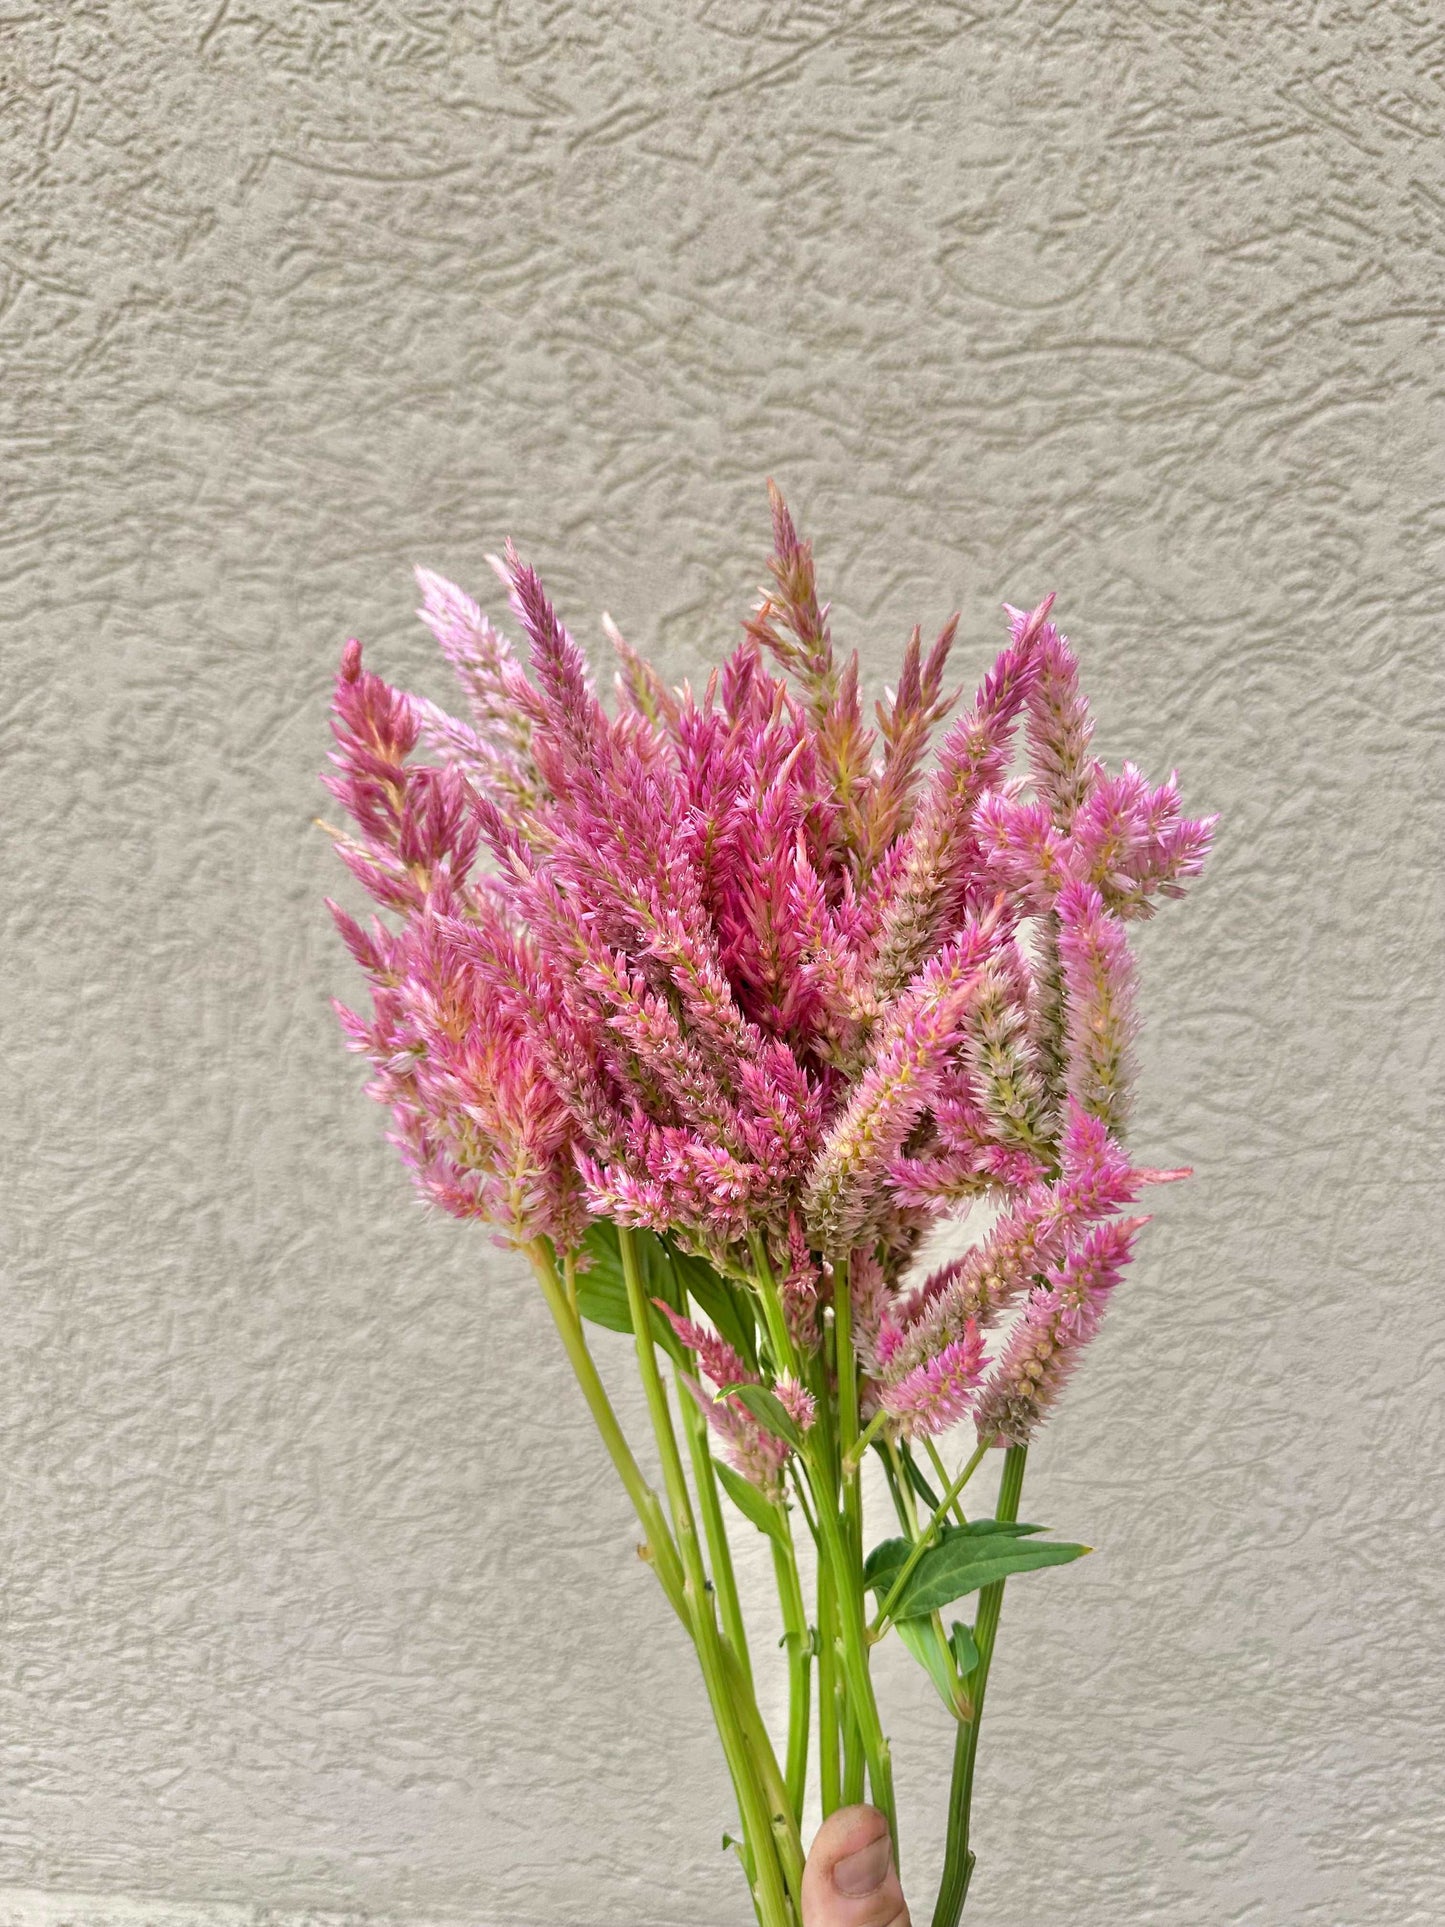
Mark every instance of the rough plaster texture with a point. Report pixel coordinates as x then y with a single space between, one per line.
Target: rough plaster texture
317 1594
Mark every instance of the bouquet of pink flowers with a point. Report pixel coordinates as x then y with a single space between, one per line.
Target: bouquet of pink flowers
714 1005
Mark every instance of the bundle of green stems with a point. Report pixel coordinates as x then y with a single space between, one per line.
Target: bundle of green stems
836 1720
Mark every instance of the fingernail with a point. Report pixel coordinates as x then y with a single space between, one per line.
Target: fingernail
865 1871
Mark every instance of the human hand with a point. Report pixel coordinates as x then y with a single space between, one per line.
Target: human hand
850 1879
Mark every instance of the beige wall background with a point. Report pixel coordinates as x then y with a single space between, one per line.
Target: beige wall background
317 1594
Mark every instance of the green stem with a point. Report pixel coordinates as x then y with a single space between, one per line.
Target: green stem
942 1470
719 1551
795 1634
847 1367
908 1523
785 1356
865 1438
673 1477
787 1843
907 1510
774 1905
829 1783
661 1547
569 1278
847 1370
854 1759
859 1726
958 1861
848 1592
804 1503
895 1591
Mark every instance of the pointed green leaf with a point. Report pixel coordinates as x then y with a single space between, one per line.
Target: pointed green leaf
922 1639
658 1277
767 1409
962 1559
886 1560
602 1288
965 1652
980 1528
750 1502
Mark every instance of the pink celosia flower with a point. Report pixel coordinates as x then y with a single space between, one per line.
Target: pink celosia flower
1096 1179
478 1120
1058 729
1003 1060
1099 1005
758 1455
846 1185
937 1393
905 722
797 1401
497 746
755 1452
799 1288
872 1300
1060 1318
930 887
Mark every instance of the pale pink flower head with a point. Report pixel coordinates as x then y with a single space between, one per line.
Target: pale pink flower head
797 1401
1061 1316
937 1393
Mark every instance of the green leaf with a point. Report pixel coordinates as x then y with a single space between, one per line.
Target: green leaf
767 1409
921 1637
982 1527
750 1502
667 1274
965 1652
944 1662
658 1278
887 1558
602 1288
960 1561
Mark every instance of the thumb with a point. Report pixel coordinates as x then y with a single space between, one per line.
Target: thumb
850 1879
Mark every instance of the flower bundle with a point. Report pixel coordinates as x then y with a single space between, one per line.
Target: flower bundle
714 1005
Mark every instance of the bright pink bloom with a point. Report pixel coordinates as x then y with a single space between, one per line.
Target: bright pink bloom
758 1454
1058 730
931 888
1060 1318
797 1401
1099 1005
1095 1181
846 1186
937 1393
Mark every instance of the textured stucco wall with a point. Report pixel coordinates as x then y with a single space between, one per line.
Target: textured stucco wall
316 1592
